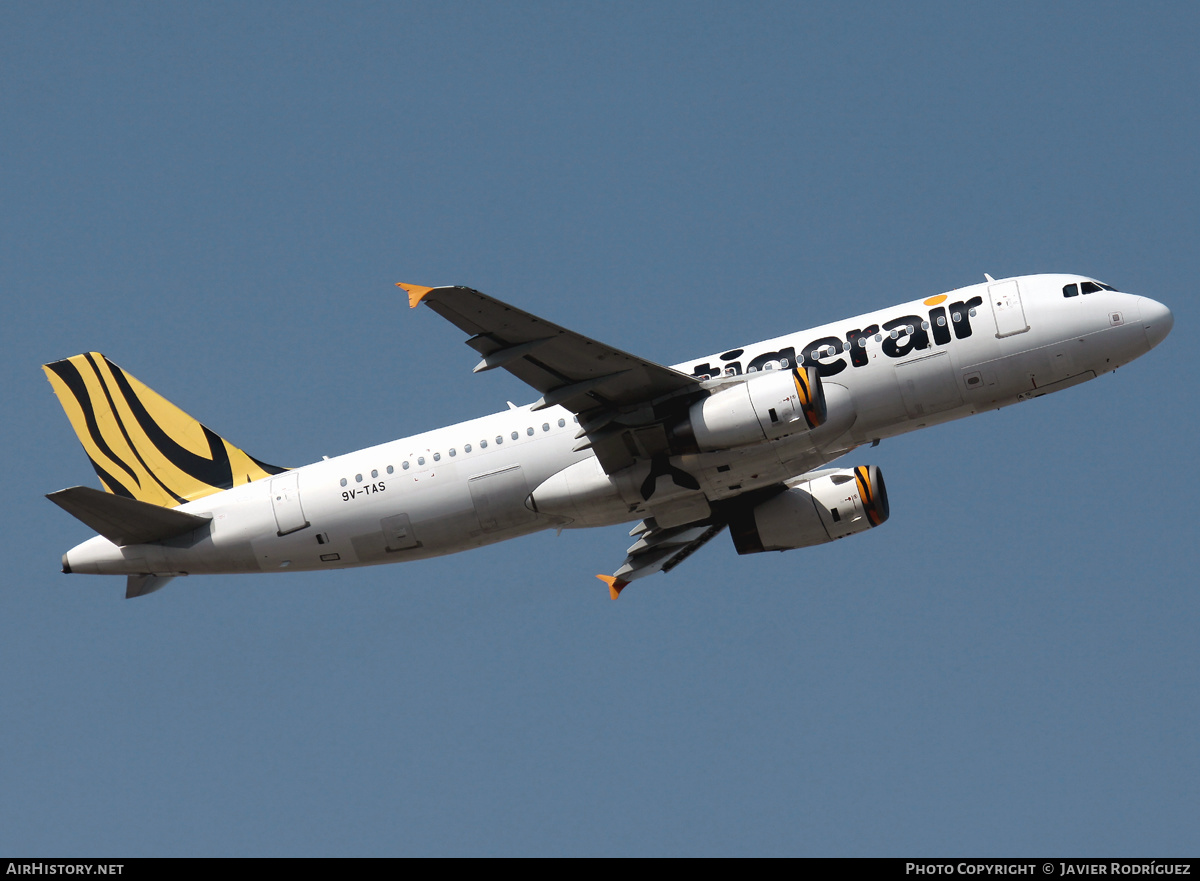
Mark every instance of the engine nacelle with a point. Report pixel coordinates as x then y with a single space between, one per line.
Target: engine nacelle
763 407
812 511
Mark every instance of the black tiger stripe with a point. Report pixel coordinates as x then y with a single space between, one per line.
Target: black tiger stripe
270 469
113 485
217 472
125 432
69 374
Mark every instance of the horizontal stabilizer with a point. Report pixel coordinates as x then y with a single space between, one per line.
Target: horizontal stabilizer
140 585
125 521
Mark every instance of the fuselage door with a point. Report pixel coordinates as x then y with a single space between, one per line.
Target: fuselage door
285 501
1007 307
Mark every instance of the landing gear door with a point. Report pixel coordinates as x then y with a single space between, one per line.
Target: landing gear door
285 500
1008 309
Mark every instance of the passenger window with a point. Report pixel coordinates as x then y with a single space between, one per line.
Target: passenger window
420 460
391 469
1090 287
483 445
405 465
358 478
956 317
1071 290
452 453
529 431
515 435
941 321
878 337
466 448
784 362
344 481
374 473
545 426
499 439
562 423
437 457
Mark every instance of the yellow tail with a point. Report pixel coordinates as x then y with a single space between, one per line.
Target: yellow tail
142 446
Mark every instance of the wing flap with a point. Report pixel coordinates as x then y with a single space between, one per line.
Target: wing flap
659 550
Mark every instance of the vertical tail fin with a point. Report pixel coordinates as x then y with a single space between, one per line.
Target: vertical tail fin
142 446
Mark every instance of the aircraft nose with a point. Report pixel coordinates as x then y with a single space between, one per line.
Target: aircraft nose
1157 320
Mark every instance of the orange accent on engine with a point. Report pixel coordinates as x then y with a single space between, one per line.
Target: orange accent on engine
862 476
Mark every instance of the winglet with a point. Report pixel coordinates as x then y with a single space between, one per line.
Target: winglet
415 293
615 585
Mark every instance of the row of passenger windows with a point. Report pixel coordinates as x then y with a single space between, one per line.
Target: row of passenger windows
453 452
1088 287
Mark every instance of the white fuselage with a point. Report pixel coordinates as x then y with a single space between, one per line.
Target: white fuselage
467 485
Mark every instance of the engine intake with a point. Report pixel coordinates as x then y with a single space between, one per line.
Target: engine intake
812 511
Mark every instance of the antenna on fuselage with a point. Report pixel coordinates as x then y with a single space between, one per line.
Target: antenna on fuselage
988 277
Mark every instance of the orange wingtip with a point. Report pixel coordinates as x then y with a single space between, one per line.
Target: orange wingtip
415 293
615 585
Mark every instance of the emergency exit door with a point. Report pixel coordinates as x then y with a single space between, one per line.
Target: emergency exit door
1008 309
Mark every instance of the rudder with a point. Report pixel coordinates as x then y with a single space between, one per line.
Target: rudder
142 446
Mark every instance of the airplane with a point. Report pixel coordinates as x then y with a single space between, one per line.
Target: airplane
739 440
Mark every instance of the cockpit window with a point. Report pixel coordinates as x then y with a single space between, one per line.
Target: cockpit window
1090 287
1106 287
1071 290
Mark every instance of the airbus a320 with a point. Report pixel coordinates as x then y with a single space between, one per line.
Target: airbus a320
739 440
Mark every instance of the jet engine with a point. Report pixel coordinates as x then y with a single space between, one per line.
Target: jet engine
814 509
763 407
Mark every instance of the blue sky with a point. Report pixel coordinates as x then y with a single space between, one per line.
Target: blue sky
220 197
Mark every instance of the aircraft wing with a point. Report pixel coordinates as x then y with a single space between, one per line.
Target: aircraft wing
659 550
617 396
